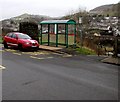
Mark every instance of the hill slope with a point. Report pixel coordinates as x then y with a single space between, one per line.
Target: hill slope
12 24
29 17
110 10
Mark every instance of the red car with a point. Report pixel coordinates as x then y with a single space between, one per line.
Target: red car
20 40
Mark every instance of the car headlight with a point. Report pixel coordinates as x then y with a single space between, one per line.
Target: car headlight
27 43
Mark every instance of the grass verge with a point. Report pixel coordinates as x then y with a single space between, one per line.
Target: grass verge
1 40
85 51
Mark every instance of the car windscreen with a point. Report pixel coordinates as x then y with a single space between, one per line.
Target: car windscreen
23 36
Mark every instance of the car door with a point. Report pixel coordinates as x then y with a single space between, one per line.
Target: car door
13 40
7 39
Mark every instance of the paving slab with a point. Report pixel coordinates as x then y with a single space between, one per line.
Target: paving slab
112 60
50 48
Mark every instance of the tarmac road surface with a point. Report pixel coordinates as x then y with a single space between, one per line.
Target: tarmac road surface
57 77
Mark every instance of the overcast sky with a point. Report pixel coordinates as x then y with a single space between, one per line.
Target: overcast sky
53 8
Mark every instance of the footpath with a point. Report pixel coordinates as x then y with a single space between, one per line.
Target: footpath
109 59
49 48
61 50
112 60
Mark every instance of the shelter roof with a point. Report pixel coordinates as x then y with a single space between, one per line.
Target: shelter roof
58 22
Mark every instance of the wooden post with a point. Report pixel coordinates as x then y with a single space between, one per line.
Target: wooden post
48 34
56 35
41 35
115 53
66 35
75 36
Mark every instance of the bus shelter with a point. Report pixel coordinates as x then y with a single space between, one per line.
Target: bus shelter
58 32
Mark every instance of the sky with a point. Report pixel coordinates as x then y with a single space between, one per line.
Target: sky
52 8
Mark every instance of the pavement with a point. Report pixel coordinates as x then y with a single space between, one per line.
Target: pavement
112 60
61 50
49 48
109 59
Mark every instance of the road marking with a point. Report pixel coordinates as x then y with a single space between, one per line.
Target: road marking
17 54
10 50
67 56
36 57
50 57
2 67
2 51
41 57
36 53
58 54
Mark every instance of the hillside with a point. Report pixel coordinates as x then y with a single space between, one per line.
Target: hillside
12 24
106 10
29 17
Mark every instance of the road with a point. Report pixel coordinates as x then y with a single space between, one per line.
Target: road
50 76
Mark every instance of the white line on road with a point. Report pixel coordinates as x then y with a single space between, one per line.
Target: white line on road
67 55
2 67
17 54
40 58
36 57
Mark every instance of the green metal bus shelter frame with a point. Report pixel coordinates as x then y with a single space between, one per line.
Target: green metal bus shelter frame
57 22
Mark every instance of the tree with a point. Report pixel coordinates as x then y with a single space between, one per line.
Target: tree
118 16
116 45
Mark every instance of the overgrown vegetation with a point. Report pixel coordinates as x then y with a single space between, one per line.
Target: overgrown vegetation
1 40
85 51
80 50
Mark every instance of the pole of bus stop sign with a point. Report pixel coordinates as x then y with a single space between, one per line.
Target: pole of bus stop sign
81 34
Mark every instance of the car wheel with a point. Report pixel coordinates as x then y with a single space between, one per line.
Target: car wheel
20 47
5 45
